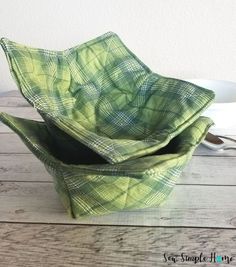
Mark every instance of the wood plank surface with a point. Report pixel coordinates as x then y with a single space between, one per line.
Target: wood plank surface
22 167
33 245
12 93
4 128
11 143
188 206
198 216
13 101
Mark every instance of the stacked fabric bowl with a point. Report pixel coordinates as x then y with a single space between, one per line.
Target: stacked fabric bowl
115 135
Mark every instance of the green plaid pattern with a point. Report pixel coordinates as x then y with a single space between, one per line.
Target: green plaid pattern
115 135
102 95
103 188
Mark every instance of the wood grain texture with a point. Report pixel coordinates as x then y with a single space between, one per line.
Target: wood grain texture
31 212
4 128
12 101
11 143
26 167
22 112
210 171
91 246
13 93
203 151
189 206
22 167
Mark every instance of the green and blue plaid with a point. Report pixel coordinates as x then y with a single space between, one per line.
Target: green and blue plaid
102 95
95 189
115 134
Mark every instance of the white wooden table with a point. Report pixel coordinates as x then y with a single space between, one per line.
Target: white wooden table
199 216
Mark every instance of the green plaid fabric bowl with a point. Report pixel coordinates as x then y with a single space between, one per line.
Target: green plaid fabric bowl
115 134
95 189
102 95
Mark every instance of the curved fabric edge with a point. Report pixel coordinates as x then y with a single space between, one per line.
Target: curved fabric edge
28 131
64 125
41 153
133 171
68 127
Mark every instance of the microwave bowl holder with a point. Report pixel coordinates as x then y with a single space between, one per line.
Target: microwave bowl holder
101 188
115 135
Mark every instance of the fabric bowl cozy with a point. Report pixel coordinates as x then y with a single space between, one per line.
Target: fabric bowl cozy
102 95
96 189
115 134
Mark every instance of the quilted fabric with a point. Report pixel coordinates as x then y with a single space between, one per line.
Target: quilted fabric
102 95
115 135
95 189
